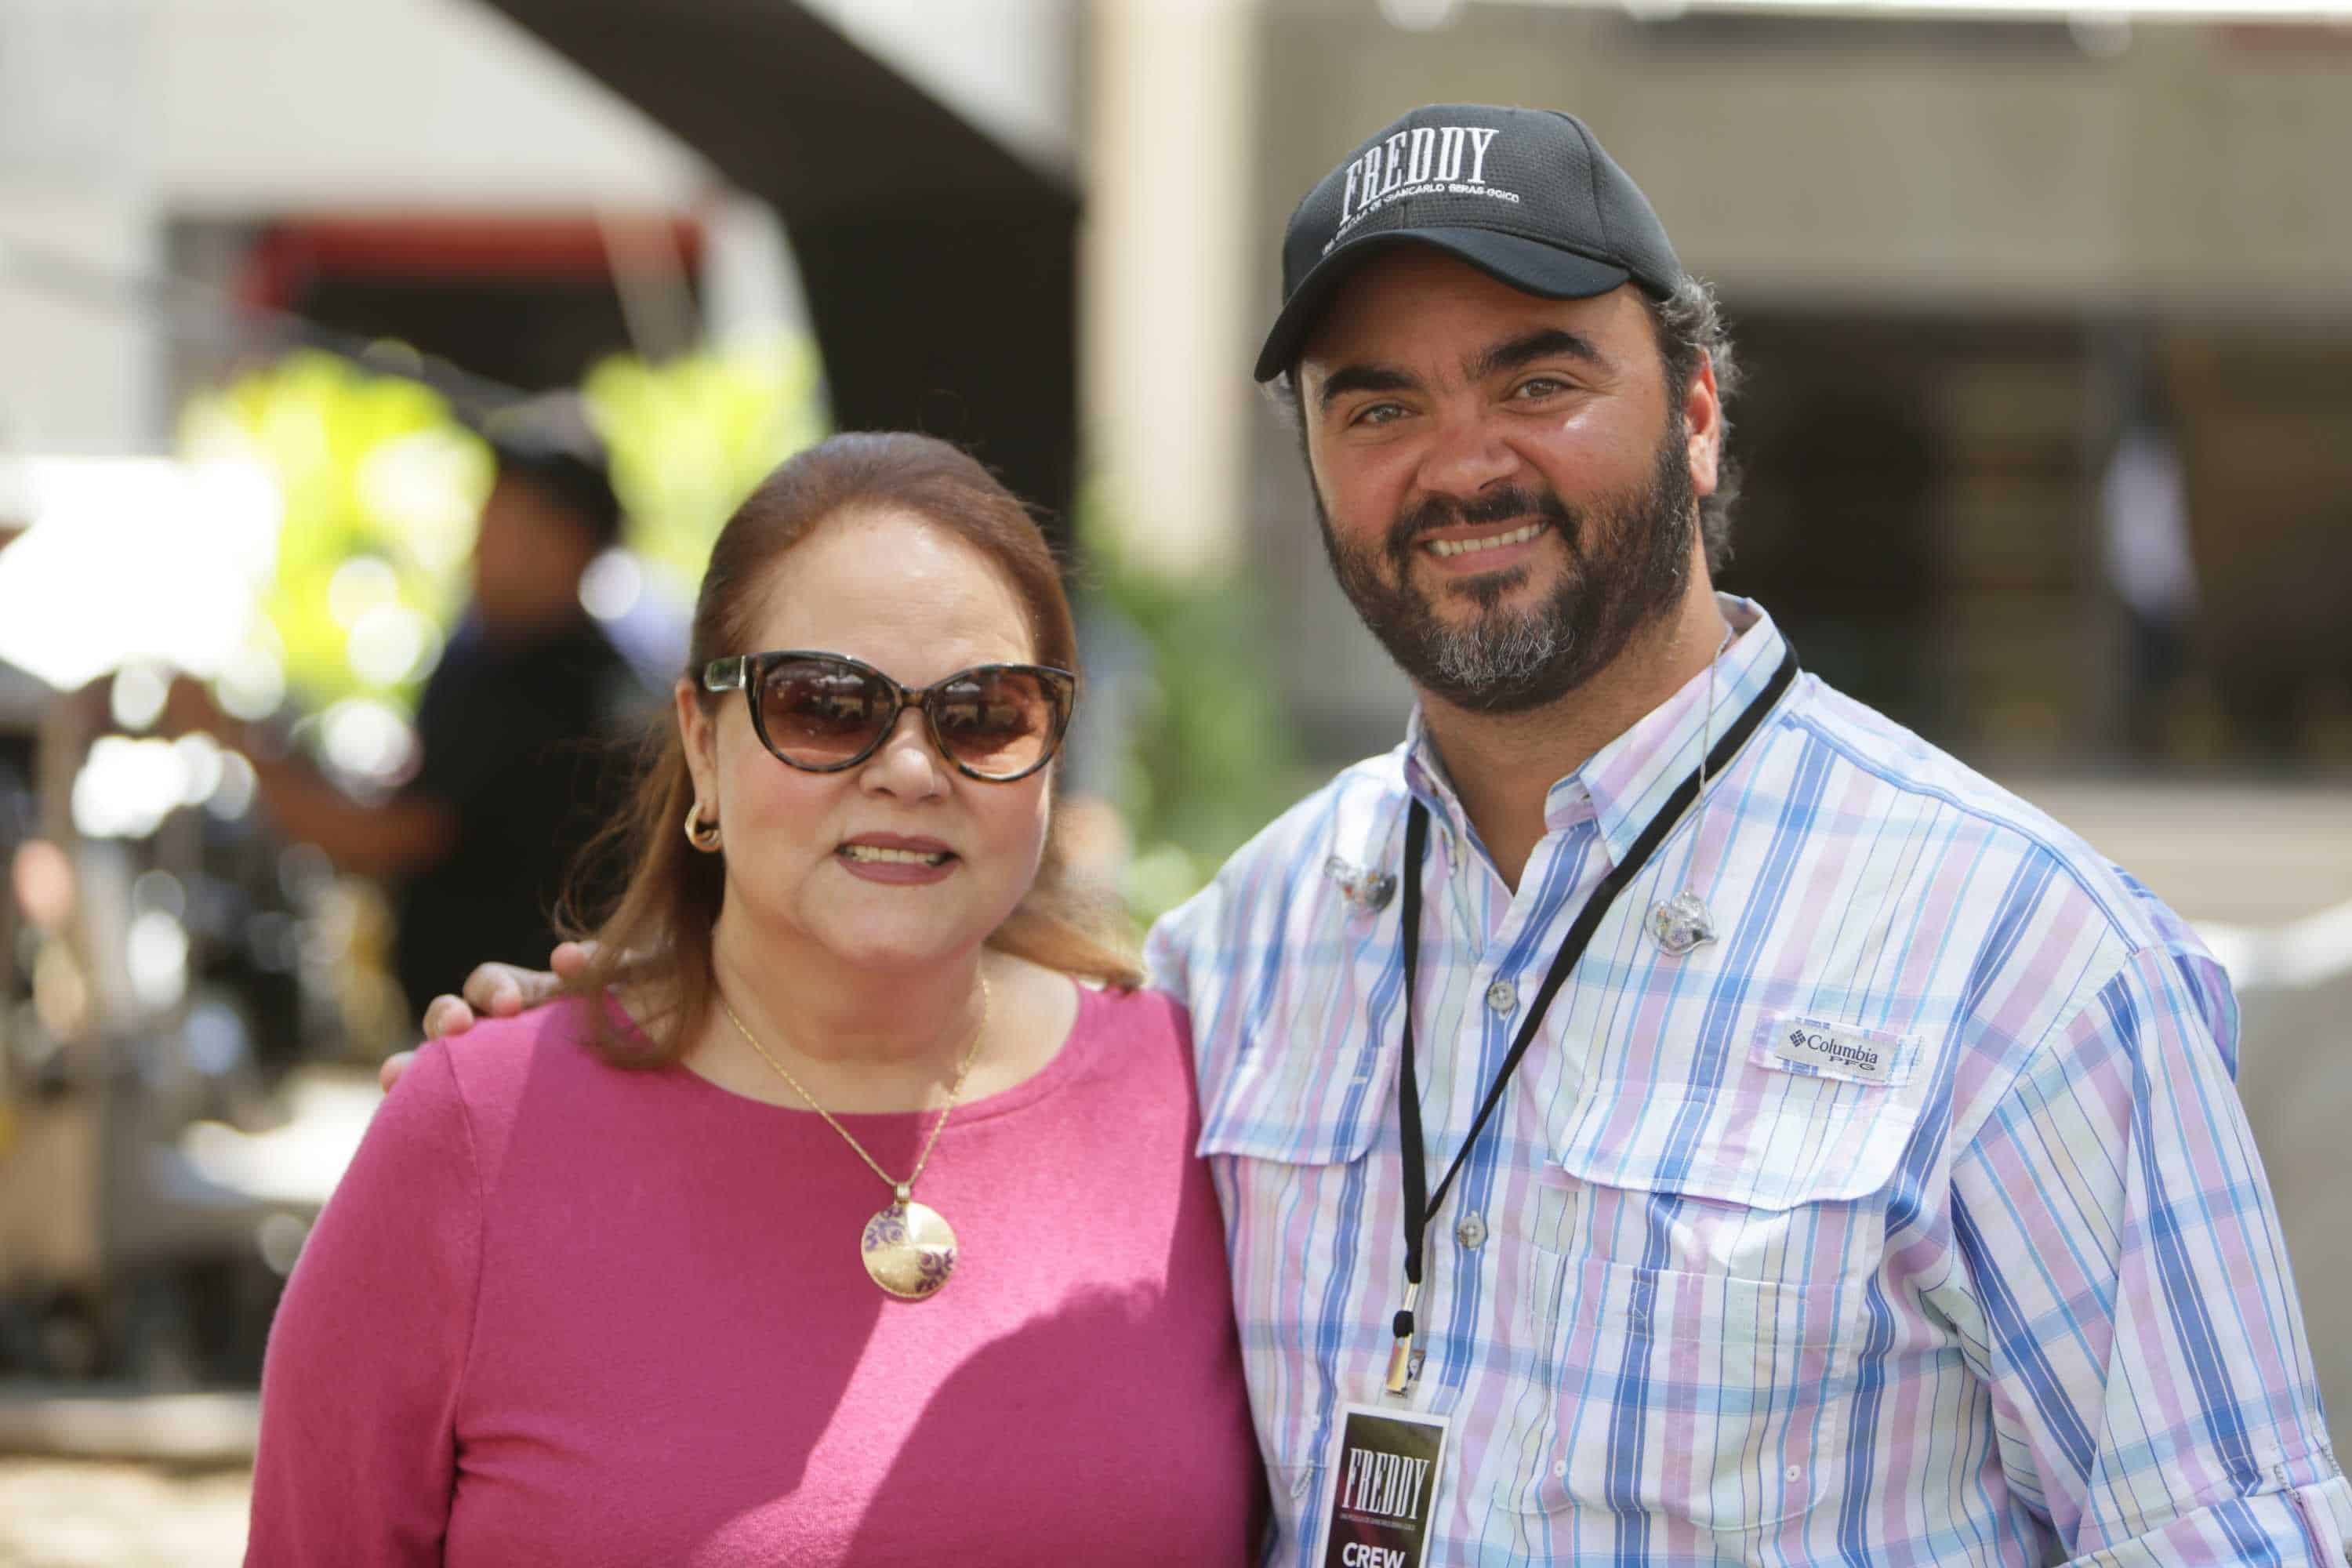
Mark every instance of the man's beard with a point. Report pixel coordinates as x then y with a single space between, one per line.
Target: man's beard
1628 560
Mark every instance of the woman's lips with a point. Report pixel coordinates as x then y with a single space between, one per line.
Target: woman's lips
890 858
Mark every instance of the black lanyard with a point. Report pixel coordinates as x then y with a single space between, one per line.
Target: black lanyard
1420 1202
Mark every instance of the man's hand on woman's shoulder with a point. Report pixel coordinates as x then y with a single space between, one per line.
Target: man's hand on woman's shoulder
492 991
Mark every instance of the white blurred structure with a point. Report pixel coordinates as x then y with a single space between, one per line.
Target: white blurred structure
119 117
204 538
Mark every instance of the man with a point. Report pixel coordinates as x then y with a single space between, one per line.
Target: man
513 727
1863 1180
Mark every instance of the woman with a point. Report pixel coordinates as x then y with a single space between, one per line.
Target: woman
831 1220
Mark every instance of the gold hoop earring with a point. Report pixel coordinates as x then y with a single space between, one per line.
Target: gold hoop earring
703 836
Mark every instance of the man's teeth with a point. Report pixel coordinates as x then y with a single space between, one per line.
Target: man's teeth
1465 546
874 852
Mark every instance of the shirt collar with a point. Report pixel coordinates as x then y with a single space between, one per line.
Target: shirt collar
1425 778
1628 780
1630 777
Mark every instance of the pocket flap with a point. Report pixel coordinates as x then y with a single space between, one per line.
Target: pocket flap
1299 1104
1777 1134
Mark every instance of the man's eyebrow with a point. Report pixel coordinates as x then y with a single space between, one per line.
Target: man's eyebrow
1544 343
1361 378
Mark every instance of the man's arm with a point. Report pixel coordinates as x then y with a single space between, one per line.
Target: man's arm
390 839
493 991
2127 1293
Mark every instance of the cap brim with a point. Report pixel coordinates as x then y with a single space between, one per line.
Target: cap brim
1527 265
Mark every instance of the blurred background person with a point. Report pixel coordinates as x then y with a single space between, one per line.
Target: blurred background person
2144 540
516 729
22 699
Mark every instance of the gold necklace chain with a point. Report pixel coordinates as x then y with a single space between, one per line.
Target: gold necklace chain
905 1189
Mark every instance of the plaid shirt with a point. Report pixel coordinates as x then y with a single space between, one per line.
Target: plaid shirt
1915 1220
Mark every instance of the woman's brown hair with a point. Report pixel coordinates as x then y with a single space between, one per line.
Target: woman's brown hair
654 940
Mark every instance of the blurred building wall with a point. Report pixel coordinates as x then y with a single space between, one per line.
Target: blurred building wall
1166 277
76 178
1010 68
370 103
1866 159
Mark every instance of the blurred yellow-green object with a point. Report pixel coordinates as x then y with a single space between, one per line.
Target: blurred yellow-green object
1209 755
380 487
688 438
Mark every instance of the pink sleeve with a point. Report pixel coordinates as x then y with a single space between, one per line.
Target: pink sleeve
358 1392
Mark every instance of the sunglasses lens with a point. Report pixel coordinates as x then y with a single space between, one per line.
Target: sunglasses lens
820 714
999 722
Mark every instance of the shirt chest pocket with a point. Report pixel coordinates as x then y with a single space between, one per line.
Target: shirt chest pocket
1289 1139
1708 1317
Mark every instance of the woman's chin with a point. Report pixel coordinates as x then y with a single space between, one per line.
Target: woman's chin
885 946
866 930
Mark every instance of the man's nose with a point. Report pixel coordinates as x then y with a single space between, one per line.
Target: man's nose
1468 455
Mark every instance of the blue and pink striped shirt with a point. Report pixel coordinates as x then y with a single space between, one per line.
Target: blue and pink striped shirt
1914 1220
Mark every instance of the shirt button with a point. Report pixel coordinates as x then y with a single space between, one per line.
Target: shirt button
1796 1472
1559 1466
1471 1231
1502 996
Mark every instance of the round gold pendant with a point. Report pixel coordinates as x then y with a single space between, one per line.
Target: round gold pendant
910 1250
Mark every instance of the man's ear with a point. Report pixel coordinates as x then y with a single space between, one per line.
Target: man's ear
1703 427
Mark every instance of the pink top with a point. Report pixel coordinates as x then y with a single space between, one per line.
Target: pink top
562 1312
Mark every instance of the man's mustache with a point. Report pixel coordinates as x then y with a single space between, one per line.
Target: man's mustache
1497 506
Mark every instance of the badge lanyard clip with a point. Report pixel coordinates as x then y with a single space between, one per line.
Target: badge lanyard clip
1404 1363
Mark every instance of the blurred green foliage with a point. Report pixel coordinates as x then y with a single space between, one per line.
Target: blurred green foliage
379 487
1209 755
691 436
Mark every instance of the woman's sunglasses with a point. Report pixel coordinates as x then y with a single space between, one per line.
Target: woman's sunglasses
821 712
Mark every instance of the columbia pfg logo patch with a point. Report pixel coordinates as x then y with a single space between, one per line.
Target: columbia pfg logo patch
1839 1050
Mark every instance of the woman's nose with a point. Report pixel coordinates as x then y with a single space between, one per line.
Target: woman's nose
905 764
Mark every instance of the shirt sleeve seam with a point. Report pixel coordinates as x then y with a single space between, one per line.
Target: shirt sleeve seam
2133 959
2064 861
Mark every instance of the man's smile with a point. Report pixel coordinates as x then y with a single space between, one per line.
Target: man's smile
1456 543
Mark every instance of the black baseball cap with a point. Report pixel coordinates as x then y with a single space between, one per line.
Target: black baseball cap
1526 195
